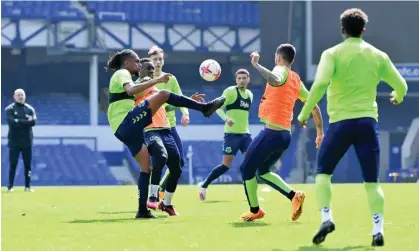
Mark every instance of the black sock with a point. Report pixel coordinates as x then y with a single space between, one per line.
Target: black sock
291 195
254 209
215 173
143 184
173 178
182 101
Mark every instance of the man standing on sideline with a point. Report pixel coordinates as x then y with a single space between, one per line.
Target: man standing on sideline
21 117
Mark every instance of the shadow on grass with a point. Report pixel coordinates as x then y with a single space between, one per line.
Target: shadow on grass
248 224
120 212
114 220
320 248
217 201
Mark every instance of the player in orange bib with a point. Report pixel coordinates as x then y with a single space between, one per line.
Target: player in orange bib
283 88
161 145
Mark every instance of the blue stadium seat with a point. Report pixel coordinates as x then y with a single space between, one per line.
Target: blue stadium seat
62 165
243 14
40 10
55 108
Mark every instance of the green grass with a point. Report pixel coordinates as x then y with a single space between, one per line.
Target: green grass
101 218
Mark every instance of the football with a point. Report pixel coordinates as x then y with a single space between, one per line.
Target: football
210 70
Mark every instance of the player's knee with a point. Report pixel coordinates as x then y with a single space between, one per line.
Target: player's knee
164 94
246 175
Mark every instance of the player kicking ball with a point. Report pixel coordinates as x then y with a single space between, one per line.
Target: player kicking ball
283 88
351 71
128 120
236 129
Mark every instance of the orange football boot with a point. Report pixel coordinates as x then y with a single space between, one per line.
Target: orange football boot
297 205
249 216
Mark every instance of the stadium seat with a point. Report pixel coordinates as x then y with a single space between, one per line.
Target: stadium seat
243 14
55 165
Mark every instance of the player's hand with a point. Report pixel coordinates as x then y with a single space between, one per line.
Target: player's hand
302 121
255 58
393 99
319 140
198 97
229 122
30 118
164 78
185 120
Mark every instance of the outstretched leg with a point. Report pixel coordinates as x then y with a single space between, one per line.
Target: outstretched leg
158 99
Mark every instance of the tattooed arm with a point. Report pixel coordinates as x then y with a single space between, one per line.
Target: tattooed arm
274 78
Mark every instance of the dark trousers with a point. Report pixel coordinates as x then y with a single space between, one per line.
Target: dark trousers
14 152
264 151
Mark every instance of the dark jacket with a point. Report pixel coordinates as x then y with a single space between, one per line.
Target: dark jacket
20 128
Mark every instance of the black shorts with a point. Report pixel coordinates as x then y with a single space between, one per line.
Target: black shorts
131 130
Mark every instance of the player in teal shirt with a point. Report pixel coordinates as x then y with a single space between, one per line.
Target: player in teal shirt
236 129
351 71
128 120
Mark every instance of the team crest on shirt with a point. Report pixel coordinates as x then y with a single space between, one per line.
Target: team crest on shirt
244 104
153 138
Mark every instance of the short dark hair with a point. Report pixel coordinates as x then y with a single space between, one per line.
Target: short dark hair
353 22
242 71
154 50
144 60
116 59
287 52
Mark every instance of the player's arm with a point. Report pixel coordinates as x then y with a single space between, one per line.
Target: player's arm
11 121
31 121
392 77
176 89
317 115
275 77
139 81
229 96
132 89
324 73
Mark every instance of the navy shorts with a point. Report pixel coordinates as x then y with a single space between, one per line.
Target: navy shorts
131 130
362 133
164 139
234 142
179 145
264 151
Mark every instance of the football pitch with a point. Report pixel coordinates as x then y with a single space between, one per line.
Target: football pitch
102 219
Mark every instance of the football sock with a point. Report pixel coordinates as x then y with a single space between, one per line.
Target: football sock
182 101
143 183
376 203
215 173
277 183
324 195
251 190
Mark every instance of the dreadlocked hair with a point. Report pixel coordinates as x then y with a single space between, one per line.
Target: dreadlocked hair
116 59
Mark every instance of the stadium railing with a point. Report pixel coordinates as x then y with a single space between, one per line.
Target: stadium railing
410 147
